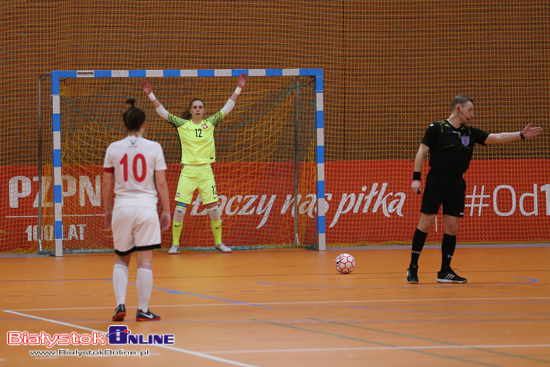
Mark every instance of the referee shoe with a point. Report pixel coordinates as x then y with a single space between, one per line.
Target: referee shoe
449 277
412 274
146 316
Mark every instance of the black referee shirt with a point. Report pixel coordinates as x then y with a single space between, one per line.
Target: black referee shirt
451 149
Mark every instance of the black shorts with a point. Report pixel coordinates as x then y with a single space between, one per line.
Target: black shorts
444 189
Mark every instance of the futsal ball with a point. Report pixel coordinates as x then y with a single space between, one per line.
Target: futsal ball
345 263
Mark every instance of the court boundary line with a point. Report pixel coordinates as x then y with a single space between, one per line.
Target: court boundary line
299 303
297 350
438 285
454 358
347 324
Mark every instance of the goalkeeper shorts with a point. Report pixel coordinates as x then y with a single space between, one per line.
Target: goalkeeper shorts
197 177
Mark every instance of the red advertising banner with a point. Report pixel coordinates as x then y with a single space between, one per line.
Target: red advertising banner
507 201
367 202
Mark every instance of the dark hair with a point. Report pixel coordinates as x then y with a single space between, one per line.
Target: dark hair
133 117
460 99
186 115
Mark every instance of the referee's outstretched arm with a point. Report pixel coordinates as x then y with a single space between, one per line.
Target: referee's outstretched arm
528 132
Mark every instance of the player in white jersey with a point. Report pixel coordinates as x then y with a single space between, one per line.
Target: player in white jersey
198 152
138 168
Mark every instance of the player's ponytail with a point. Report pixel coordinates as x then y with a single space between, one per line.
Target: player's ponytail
133 117
131 101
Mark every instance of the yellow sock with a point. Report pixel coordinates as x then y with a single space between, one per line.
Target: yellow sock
216 226
176 232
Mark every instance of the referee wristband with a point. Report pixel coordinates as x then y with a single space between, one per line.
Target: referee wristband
151 96
238 90
416 176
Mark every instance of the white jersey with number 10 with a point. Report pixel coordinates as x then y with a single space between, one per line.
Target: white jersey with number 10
135 160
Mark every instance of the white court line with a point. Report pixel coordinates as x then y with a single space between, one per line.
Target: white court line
305 303
420 347
51 216
197 354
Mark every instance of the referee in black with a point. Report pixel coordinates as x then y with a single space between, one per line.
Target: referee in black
450 143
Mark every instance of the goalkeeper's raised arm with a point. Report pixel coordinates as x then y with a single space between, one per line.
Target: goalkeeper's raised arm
231 101
161 111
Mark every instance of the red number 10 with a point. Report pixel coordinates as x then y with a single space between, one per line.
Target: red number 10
139 157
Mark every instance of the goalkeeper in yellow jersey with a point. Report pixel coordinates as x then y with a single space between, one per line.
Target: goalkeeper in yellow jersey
197 153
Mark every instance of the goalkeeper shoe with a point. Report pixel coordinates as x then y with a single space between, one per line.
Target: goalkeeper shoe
223 248
174 250
449 277
120 313
146 316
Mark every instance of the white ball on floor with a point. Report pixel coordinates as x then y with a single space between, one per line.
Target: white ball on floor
344 263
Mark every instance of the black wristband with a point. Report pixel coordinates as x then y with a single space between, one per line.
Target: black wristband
416 176
521 134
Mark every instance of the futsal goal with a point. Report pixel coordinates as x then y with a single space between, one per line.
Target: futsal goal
270 154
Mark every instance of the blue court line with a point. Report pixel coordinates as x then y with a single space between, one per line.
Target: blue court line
172 291
439 285
532 280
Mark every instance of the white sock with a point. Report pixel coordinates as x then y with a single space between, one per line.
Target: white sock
144 287
120 281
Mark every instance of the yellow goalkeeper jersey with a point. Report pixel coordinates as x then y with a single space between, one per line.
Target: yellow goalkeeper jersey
197 140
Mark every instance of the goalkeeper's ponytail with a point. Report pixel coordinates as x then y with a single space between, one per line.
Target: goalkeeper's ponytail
133 117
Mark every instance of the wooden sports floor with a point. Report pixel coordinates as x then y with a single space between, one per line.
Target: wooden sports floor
273 308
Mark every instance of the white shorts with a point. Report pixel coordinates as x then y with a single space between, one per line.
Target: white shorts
135 228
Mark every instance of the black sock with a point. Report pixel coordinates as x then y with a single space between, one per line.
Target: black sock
419 239
447 250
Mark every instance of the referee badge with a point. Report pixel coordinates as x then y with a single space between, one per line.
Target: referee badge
465 139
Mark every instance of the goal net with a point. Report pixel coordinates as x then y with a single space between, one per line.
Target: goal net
266 148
